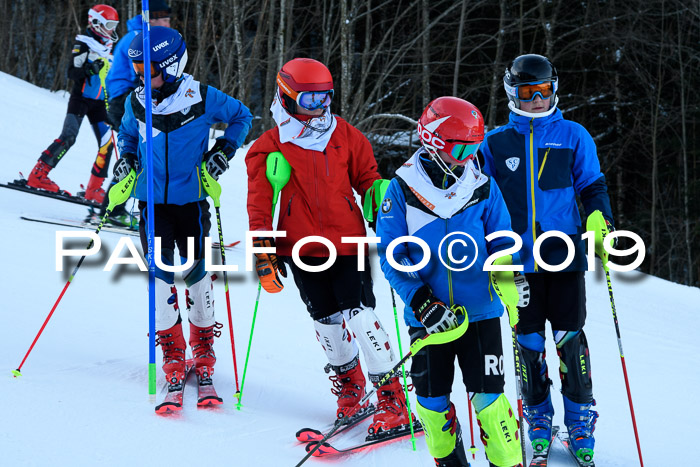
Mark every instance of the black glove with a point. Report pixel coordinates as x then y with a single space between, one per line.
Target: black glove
123 166
431 312
94 67
217 157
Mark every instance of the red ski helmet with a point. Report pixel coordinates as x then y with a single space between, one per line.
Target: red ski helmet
305 82
103 21
452 125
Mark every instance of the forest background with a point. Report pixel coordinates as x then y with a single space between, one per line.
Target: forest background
628 71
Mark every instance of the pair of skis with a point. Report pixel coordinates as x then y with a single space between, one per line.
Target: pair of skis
206 394
312 437
540 459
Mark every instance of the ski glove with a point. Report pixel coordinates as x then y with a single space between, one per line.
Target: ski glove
373 200
217 158
435 315
268 266
123 166
94 68
523 289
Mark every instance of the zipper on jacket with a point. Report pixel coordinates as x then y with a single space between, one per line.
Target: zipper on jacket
544 161
167 172
289 205
532 184
328 172
349 203
318 202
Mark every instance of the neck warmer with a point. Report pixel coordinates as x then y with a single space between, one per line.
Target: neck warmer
313 134
187 95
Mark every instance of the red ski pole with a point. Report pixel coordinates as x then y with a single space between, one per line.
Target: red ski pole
120 192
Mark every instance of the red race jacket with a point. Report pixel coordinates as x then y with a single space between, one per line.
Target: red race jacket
318 199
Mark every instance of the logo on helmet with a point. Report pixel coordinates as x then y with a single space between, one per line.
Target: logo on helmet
475 114
156 48
426 133
168 61
133 53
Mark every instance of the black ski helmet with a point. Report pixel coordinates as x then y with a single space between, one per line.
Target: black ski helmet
529 69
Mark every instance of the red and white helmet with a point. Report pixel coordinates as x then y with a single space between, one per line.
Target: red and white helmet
305 82
452 125
103 21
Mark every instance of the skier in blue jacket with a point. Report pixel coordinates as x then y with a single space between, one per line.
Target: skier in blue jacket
441 197
183 112
542 162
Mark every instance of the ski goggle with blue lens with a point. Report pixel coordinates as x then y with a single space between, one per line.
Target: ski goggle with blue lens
463 151
313 100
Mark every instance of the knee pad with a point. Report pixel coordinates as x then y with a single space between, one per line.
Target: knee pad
337 342
533 368
200 302
71 126
575 368
167 309
373 340
499 433
440 425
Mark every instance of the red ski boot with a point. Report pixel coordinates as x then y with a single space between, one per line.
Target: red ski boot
391 408
173 344
202 344
39 178
349 385
94 191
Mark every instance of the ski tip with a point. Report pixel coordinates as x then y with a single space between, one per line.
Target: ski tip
168 408
307 435
323 450
16 373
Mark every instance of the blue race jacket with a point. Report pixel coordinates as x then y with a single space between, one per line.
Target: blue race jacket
402 213
541 164
179 141
122 77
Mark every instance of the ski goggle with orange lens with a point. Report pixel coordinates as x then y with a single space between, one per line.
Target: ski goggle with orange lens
528 92
462 151
140 69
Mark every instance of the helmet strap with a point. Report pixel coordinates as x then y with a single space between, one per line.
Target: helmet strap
513 108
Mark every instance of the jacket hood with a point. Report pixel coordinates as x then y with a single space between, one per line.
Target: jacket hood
135 24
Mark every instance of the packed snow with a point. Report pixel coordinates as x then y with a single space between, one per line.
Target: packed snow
82 399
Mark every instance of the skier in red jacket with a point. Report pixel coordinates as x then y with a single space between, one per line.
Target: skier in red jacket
329 158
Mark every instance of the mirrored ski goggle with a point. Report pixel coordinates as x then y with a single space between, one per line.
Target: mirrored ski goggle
313 100
528 92
111 25
139 68
464 151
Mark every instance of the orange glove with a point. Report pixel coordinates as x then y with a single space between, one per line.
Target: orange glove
268 266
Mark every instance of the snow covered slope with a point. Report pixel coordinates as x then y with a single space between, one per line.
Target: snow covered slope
83 399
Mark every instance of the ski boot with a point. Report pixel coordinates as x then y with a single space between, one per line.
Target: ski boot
39 178
173 344
391 413
349 385
580 421
539 418
94 191
202 344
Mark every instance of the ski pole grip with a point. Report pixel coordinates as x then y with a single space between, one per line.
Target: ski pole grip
121 191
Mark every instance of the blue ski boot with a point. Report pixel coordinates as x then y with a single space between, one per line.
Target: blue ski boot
539 418
580 421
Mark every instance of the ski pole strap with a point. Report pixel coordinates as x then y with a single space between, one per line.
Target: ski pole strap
121 191
211 186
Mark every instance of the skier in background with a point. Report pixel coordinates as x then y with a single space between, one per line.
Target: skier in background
121 80
438 194
91 57
183 112
329 158
542 161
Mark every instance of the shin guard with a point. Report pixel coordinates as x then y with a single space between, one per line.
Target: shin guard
200 302
440 425
499 433
575 368
337 342
373 340
533 368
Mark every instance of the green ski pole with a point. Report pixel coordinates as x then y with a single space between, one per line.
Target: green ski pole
278 172
403 370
